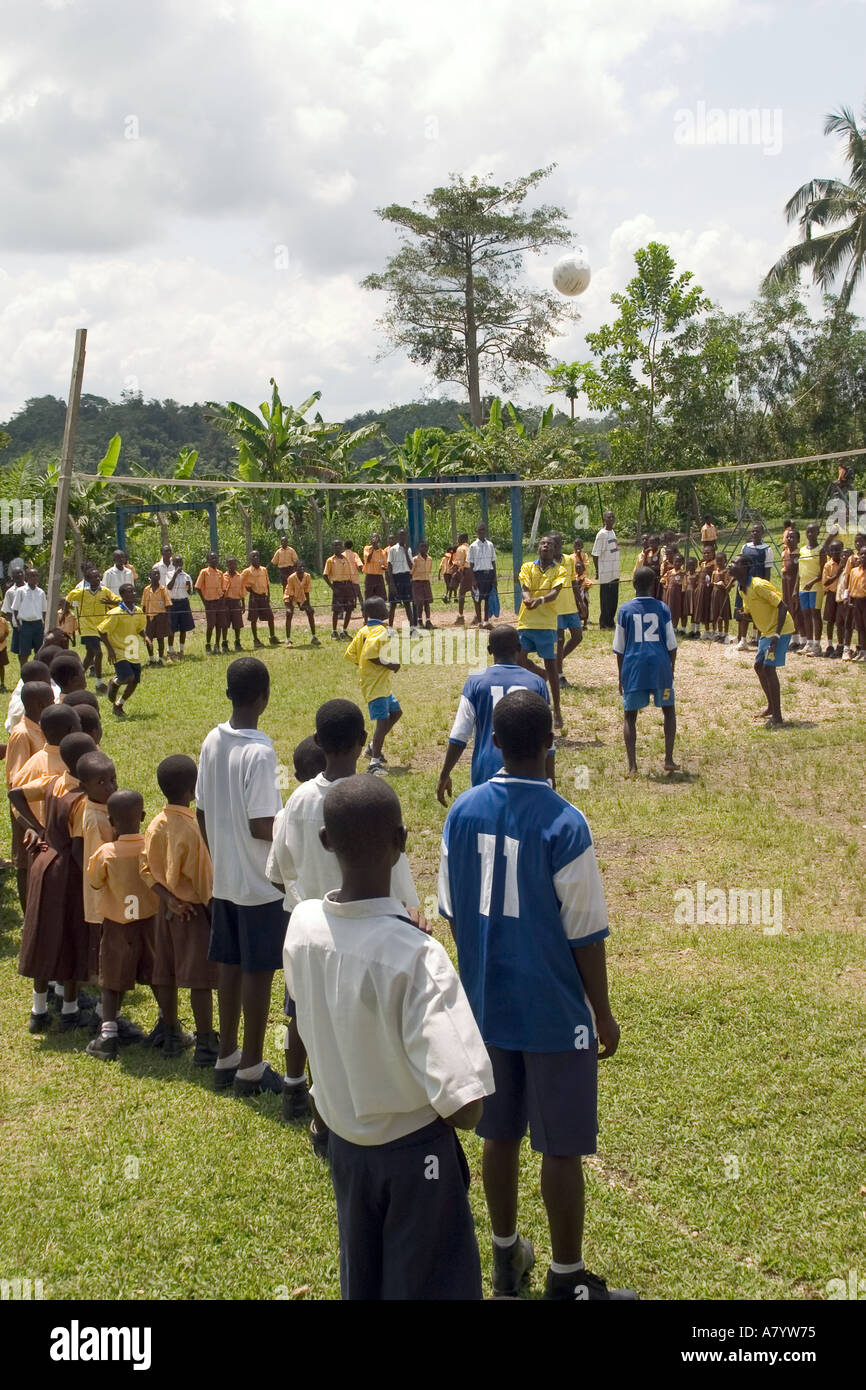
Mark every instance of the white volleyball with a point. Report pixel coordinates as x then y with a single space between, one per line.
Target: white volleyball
571 274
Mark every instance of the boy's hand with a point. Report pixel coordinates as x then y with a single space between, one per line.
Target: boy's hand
608 1035
32 842
178 908
444 790
420 920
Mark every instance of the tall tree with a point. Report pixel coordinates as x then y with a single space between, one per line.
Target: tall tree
455 301
837 204
565 379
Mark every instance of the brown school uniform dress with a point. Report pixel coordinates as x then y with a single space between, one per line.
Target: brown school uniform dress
209 585
720 606
340 570
54 938
703 593
285 559
674 595
127 947
690 585
375 568
829 582
422 569
461 566
176 856
155 604
25 739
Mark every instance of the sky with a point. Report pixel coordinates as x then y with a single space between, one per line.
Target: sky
196 183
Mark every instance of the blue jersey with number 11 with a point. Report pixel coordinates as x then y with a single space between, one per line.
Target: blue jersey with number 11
645 638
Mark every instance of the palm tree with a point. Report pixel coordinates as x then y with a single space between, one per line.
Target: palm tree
565 378
835 204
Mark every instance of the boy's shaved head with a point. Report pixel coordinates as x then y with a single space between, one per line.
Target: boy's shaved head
57 721
65 669
35 697
247 680
361 800
644 580
503 642
48 652
93 765
35 671
76 699
73 747
339 726
523 724
176 776
375 608
308 759
125 809
90 722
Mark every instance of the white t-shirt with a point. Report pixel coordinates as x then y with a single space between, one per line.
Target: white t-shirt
28 605
163 568
606 550
179 585
114 578
237 783
398 561
298 859
392 1040
482 555
16 704
8 597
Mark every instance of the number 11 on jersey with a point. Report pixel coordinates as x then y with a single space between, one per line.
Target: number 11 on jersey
487 850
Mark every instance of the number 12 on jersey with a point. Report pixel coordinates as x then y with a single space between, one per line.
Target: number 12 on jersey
646 627
487 850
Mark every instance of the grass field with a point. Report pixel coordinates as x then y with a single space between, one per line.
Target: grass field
732 1159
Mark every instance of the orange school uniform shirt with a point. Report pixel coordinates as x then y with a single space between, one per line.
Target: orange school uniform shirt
255 581
422 567
461 557
375 561
113 870
856 572
89 821
233 585
339 568
297 589
36 775
176 856
284 557
829 579
155 600
25 739
209 583
356 563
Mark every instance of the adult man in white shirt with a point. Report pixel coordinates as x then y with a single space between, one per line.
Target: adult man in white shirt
397 1063
482 563
28 608
237 798
164 565
17 577
120 573
606 559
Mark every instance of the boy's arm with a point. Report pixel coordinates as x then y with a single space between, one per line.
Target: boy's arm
19 801
199 815
262 828
591 962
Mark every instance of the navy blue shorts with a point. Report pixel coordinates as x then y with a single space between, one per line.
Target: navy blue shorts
555 1093
403 587
406 1229
91 644
127 671
251 937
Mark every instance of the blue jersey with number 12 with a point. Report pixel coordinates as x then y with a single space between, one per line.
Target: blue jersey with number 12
645 638
481 693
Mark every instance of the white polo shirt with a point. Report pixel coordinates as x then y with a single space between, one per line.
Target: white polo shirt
606 551
391 1037
482 555
237 783
298 859
398 561
179 585
29 605
114 578
15 712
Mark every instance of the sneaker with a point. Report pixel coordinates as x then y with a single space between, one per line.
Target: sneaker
741 645
269 1080
159 661
207 1049
101 687
377 765
846 654
319 1140
105 1048
582 1286
511 1267
257 644
274 641
335 636
86 1001
368 753
429 626
39 1023
156 1036
128 1032
289 643
82 1018
225 646
314 642
169 660
175 1041
296 1102
223 1078
118 711
564 683
460 621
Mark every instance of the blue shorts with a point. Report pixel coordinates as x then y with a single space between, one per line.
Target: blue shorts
91 644
663 698
539 639
251 937
566 621
127 671
808 598
555 1093
385 706
764 659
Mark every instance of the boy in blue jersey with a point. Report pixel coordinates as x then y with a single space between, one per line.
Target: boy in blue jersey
475 712
520 885
646 648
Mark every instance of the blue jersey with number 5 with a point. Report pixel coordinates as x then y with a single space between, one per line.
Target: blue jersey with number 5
645 638
520 883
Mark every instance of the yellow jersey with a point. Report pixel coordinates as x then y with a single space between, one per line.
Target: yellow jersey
365 650
761 601
123 628
566 603
540 582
